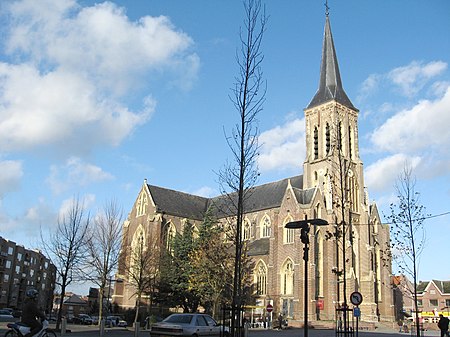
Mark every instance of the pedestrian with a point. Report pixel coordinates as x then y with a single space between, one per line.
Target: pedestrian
280 321
443 325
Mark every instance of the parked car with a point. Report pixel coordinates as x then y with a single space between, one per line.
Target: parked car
122 323
6 316
94 320
187 325
112 321
82 319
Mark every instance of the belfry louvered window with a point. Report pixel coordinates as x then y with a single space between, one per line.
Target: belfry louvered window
316 143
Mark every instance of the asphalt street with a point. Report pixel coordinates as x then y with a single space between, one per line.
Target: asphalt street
92 331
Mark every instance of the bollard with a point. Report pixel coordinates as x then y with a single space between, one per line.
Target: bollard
102 327
136 329
63 326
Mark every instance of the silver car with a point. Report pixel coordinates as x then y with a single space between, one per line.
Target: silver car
188 325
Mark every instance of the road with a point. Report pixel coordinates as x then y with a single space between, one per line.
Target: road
92 331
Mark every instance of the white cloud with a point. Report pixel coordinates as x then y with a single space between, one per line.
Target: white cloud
424 127
411 78
282 146
206 192
75 172
11 173
383 173
407 80
73 71
83 202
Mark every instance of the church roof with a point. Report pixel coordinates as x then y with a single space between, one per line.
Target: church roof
178 203
194 207
330 85
259 247
304 197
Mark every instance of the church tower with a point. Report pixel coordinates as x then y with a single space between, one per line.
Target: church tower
332 149
333 166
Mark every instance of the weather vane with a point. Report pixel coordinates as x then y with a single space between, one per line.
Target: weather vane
326 8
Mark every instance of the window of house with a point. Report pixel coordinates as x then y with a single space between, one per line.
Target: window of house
266 227
447 303
8 264
19 256
10 250
261 279
434 303
419 303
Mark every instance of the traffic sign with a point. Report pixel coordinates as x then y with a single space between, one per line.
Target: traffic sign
356 298
356 312
269 307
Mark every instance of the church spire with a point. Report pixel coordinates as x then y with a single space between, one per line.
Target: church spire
330 85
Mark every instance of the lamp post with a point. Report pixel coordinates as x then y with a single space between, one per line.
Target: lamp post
304 227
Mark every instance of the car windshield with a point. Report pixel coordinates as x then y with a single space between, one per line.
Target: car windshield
185 319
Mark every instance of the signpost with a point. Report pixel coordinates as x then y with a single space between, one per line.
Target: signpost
356 299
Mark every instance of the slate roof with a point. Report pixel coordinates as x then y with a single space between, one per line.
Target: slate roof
444 286
422 286
259 247
330 84
260 197
178 203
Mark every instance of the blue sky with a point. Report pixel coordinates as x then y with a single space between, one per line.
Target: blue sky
97 96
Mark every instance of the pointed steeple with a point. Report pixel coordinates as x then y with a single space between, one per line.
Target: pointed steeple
330 85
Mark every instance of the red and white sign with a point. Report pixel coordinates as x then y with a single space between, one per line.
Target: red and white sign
269 307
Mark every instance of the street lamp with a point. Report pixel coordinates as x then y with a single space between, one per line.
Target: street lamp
304 226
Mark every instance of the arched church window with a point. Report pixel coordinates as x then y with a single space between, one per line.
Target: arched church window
246 230
288 233
138 248
316 143
142 203
350 142
170 236
261 278
317 211
339 136
319 264
266 227
287 278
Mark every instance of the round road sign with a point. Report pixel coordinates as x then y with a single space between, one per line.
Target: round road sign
269 307
356 298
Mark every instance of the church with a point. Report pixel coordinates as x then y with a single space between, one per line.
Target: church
345 256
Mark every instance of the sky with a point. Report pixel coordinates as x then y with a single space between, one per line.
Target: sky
95 97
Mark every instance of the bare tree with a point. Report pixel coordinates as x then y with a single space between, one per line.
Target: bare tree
66 248
142 267
407 231
103 244
248 97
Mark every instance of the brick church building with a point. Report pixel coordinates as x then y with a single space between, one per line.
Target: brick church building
331 188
